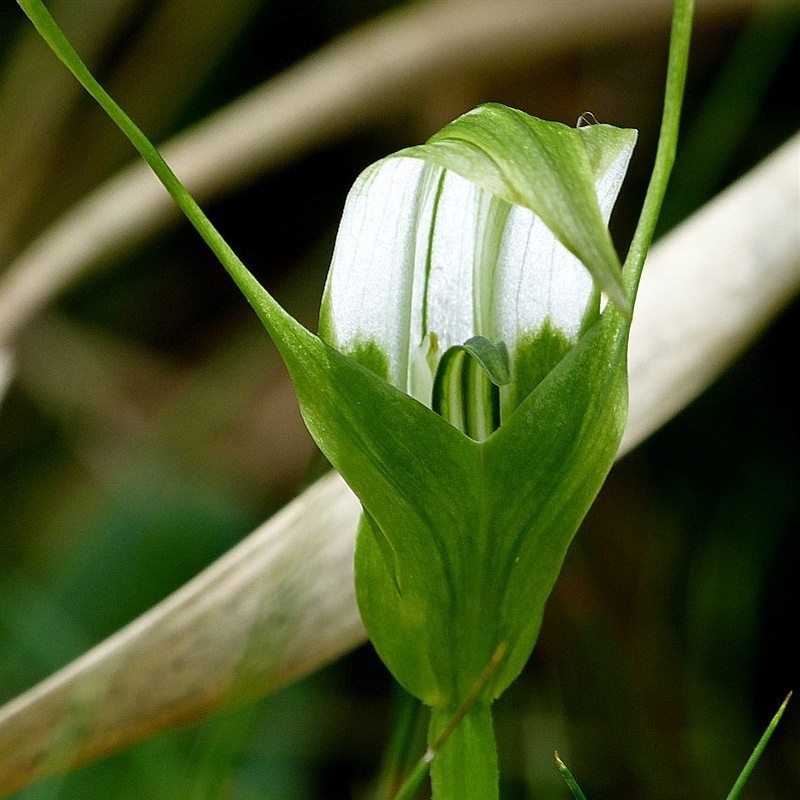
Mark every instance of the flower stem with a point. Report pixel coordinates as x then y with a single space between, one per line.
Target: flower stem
465 767
677 67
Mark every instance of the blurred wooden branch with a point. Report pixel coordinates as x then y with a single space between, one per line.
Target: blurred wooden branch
281 604
711 287
30 122
56 144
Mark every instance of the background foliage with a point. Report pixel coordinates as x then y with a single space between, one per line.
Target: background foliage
151 426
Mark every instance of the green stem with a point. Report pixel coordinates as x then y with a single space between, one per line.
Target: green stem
262 302
465 767
677 67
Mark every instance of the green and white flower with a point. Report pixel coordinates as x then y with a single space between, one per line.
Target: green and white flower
473 276
439 281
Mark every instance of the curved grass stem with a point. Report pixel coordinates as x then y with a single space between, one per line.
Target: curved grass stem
748 768
444 725
677 67
48 28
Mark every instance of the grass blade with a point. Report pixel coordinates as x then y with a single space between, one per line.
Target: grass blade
569 778
736 791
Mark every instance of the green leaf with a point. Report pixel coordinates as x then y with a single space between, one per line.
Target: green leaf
465 554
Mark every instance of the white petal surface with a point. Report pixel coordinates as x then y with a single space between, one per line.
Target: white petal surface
368 295
425 259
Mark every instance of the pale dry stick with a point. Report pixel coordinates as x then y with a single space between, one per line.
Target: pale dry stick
381 67
710 287
243 627
281 604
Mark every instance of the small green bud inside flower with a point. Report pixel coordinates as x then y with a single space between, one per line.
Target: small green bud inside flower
466 389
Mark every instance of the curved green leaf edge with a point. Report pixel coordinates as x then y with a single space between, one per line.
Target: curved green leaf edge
544 166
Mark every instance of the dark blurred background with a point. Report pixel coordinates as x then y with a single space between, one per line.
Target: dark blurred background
150 425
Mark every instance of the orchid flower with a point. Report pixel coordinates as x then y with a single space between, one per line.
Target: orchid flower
429 264
469 274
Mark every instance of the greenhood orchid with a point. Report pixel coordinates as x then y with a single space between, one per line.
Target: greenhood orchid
469 383
465 274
